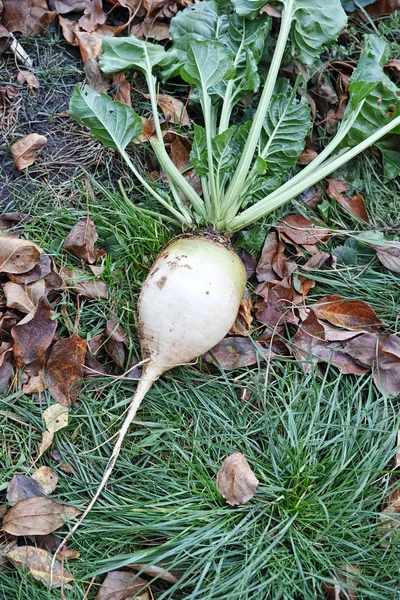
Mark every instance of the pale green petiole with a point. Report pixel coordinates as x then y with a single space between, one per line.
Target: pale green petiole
290 190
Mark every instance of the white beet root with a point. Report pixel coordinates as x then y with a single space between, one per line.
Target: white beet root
187 305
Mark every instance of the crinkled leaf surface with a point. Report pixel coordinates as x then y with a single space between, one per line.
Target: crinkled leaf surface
124 53
315 23
208 63
287 123
113 123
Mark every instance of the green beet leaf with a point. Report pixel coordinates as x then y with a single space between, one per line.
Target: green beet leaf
285 128
113 123
208 63
120 54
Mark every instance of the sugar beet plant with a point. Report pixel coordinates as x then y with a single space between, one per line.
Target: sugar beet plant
191 296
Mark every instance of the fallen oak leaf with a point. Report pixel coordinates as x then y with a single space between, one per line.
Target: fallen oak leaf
27 16
34 334
39 564
24 150
81 240
122 585
351 314
17 256
235 480
64 369
37 516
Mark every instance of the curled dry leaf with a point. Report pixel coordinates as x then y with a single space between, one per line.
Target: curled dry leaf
302 231
235 480
242 325
47 478
29 78
154 571
24 150
117 343
64 369
35 385
122 585
37 516
356 206
81 240
34 334
66 6
173 109
234 352
264 269
382 354
38 562
24 298
123 88
94 76
150 28
93 16
17 256
42 269
27 16
351 314
21 487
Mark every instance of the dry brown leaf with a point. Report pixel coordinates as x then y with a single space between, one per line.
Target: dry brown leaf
17 256
235 480
174 110
264 269
244 319
389 256
346 586
307 156
249 261
382 353
6 371
94 76
394 64
66 6
43 268
89 43
47 440
302 231
93 16
77 280
39 562
37 516
81 240
383 7
64 369
47 478
117 343
24 298
24 150
180 154
234 352
35 385
351 314
356 206
21 487
123 89
28 78
150 28
154 571
34 334
27 16
122 585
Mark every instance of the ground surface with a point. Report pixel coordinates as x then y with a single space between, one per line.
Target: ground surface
321 445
